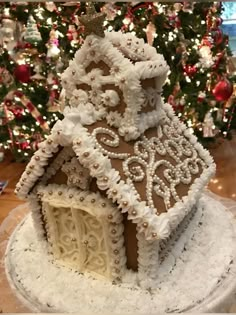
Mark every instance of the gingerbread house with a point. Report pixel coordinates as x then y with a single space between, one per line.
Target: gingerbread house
118 175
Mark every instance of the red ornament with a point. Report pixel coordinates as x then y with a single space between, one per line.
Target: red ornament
177 22
23 45
190 70
69 35
22 73
201 96
17 111
206 41
24 145
223 90
175 103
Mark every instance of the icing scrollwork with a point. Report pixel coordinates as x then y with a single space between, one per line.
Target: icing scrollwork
109 139
148 163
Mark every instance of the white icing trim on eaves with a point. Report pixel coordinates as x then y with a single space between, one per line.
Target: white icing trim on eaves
66 154
36 167
37 216
204 153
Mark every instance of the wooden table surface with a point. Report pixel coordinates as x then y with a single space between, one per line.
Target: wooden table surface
10 171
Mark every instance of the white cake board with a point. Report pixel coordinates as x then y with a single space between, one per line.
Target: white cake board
203 280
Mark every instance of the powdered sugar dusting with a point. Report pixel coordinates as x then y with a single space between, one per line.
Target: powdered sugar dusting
196 267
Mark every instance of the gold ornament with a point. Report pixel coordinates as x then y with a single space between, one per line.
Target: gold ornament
93 21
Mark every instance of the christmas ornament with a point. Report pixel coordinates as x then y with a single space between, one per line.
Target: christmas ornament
7 30
93 21
37 75
53 104
190 70
214 8
36 139
218 59
69 34
2 115
206 59
22 73
231 100
59 65
177 23
181 54
173 98
188 6
18 32
50 78
17 111
5 77
5 117
32 34
223 90
219 114
201 96
212 103
29 105
182 101
173 18
35 145
207 41
72 35
177 6
23 45
208 126
23 145
109 10
52 45
9 116
50 6
150 33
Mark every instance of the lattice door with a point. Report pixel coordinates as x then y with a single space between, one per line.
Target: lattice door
79 239
63 235
91 241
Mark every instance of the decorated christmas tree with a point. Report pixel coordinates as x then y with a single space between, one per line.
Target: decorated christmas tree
38 39
35 44
189 36
32 34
